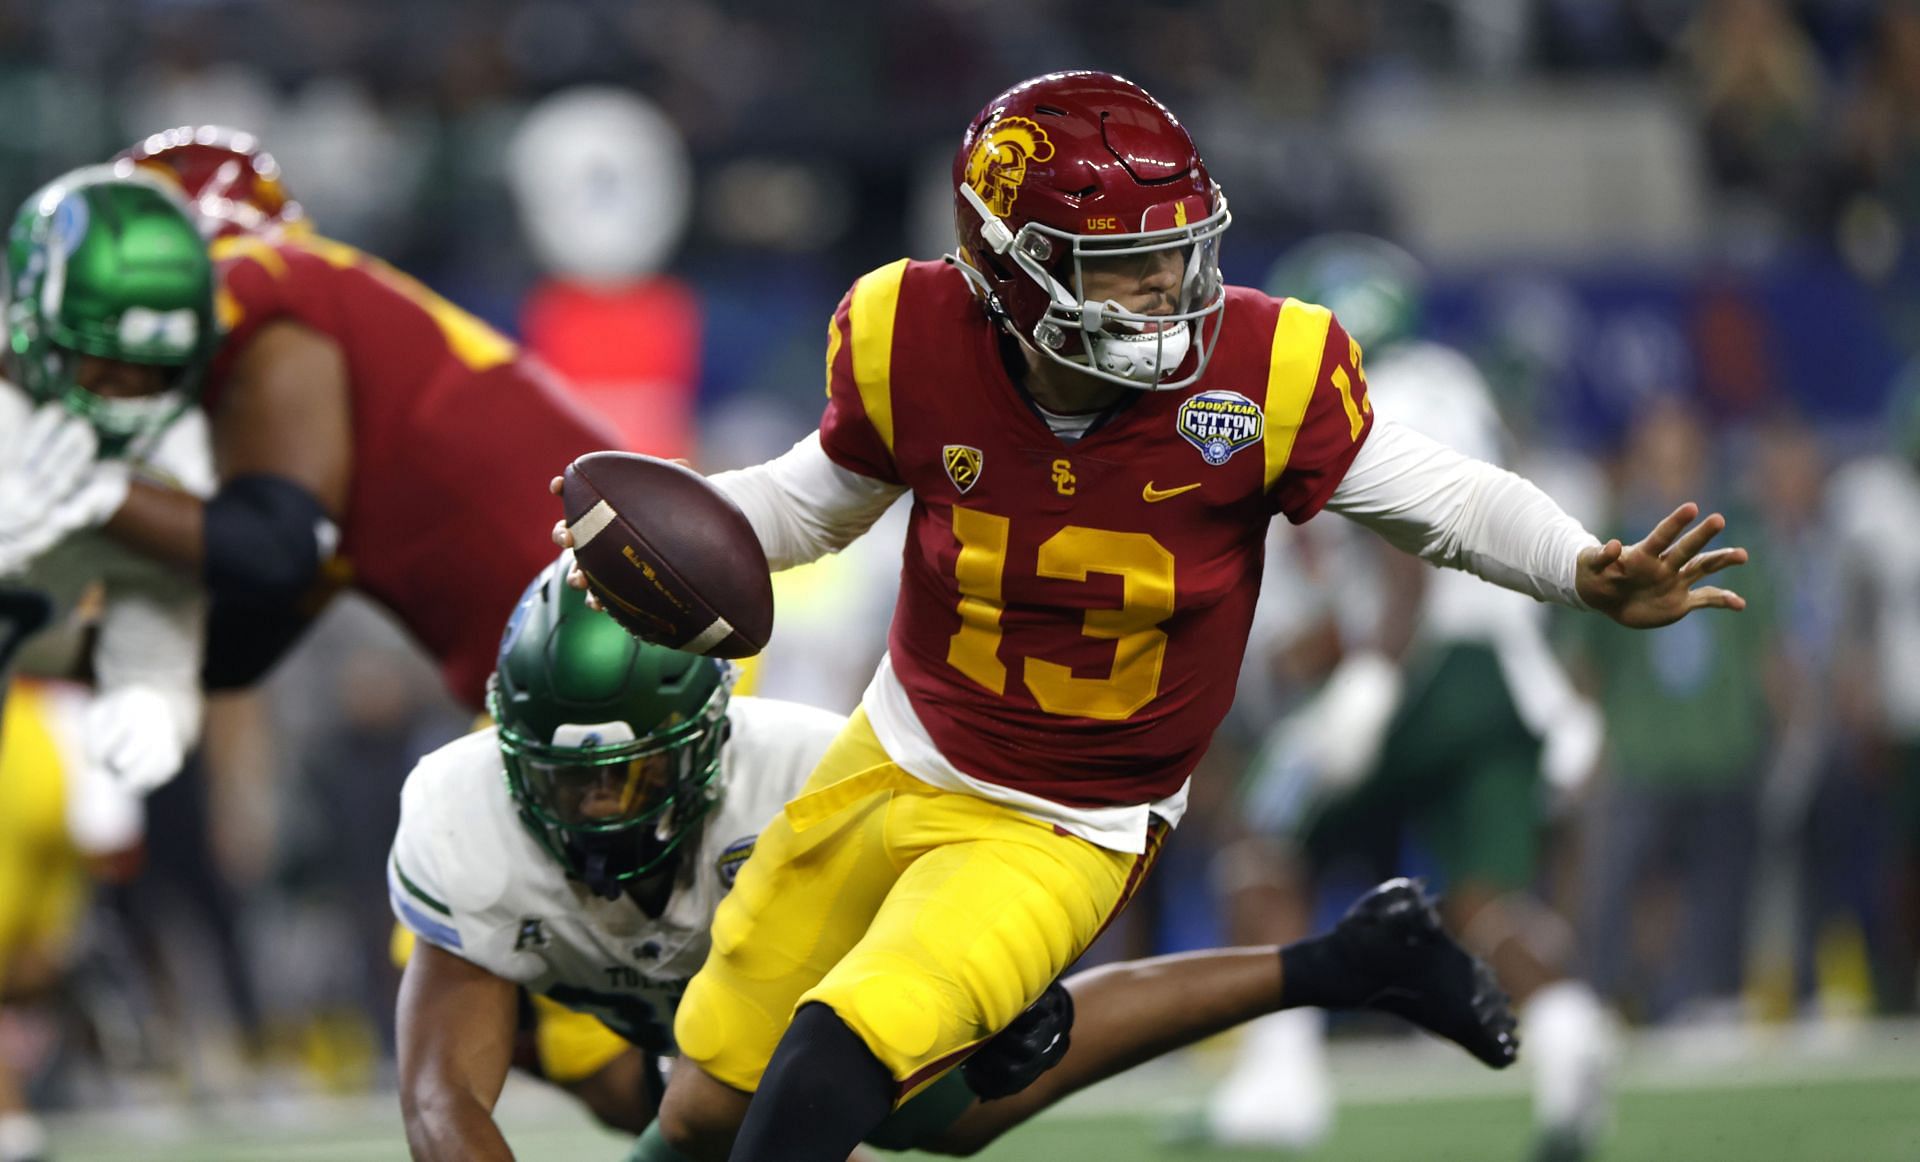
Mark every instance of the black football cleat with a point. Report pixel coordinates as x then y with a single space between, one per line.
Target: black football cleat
1411 967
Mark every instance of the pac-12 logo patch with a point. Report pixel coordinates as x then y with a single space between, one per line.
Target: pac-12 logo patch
963 465
1220 423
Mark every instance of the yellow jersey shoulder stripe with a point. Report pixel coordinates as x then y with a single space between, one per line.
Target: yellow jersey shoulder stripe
1293 368
246 246
876 299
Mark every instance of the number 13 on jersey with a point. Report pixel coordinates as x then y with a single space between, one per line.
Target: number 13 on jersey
1145 569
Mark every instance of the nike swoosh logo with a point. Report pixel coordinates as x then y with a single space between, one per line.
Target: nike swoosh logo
1150 494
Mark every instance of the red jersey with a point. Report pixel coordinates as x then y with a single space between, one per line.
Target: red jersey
1072 615
455 435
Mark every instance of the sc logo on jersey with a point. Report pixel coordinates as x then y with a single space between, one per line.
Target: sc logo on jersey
1220 423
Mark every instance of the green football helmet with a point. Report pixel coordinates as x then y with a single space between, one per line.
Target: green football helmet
109 264
1374 288
612 745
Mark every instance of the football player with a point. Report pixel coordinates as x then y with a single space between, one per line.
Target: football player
369 433
1095 431
578 850
1442 718
109 319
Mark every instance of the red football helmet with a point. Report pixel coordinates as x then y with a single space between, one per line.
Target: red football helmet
232 185
1080 166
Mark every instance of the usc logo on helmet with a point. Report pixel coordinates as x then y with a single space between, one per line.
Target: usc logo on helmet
999 161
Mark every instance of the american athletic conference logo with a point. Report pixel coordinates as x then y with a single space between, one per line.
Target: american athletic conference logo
1220 423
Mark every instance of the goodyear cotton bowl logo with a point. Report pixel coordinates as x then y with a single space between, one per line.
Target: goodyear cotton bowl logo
1220 423
999 161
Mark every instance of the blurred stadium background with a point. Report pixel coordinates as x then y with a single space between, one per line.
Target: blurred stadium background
1677 236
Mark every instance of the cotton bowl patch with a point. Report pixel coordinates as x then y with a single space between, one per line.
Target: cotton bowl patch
1220 423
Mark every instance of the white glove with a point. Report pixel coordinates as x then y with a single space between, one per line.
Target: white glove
51 485
1344 725
132 737
1327 745
103 817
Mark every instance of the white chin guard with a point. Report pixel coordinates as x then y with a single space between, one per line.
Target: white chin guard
1144 357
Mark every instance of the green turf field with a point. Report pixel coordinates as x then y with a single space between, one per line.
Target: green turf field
1860 1103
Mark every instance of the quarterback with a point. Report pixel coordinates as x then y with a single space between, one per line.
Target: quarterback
369 433
1095 432
579 848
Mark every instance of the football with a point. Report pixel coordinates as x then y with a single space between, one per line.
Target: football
668 554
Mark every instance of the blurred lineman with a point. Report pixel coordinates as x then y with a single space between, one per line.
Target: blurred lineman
368 432
1441 718
580 848
1096 432
109 317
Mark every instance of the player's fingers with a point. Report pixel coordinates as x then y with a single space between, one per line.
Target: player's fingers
576 578
1599 558
1713 562
1695 539
562 535
65 458
556 484
57 442
1663 535
1713 597
42 426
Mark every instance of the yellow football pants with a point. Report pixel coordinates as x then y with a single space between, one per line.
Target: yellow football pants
43 882
926 919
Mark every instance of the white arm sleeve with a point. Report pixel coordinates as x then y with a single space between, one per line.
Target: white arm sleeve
1431 501
803 505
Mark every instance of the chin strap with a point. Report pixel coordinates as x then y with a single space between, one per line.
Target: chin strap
993 231
597 880
988 299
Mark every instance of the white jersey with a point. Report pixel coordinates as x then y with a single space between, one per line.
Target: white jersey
1875 505
150 616
467 875
1438 392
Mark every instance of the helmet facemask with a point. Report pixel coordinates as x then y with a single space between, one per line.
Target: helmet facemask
1101 337
613 808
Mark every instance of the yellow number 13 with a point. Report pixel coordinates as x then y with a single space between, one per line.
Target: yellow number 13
1145 569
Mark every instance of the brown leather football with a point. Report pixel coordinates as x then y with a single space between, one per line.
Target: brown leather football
668 554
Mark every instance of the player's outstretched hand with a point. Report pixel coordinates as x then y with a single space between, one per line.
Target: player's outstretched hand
1652 583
